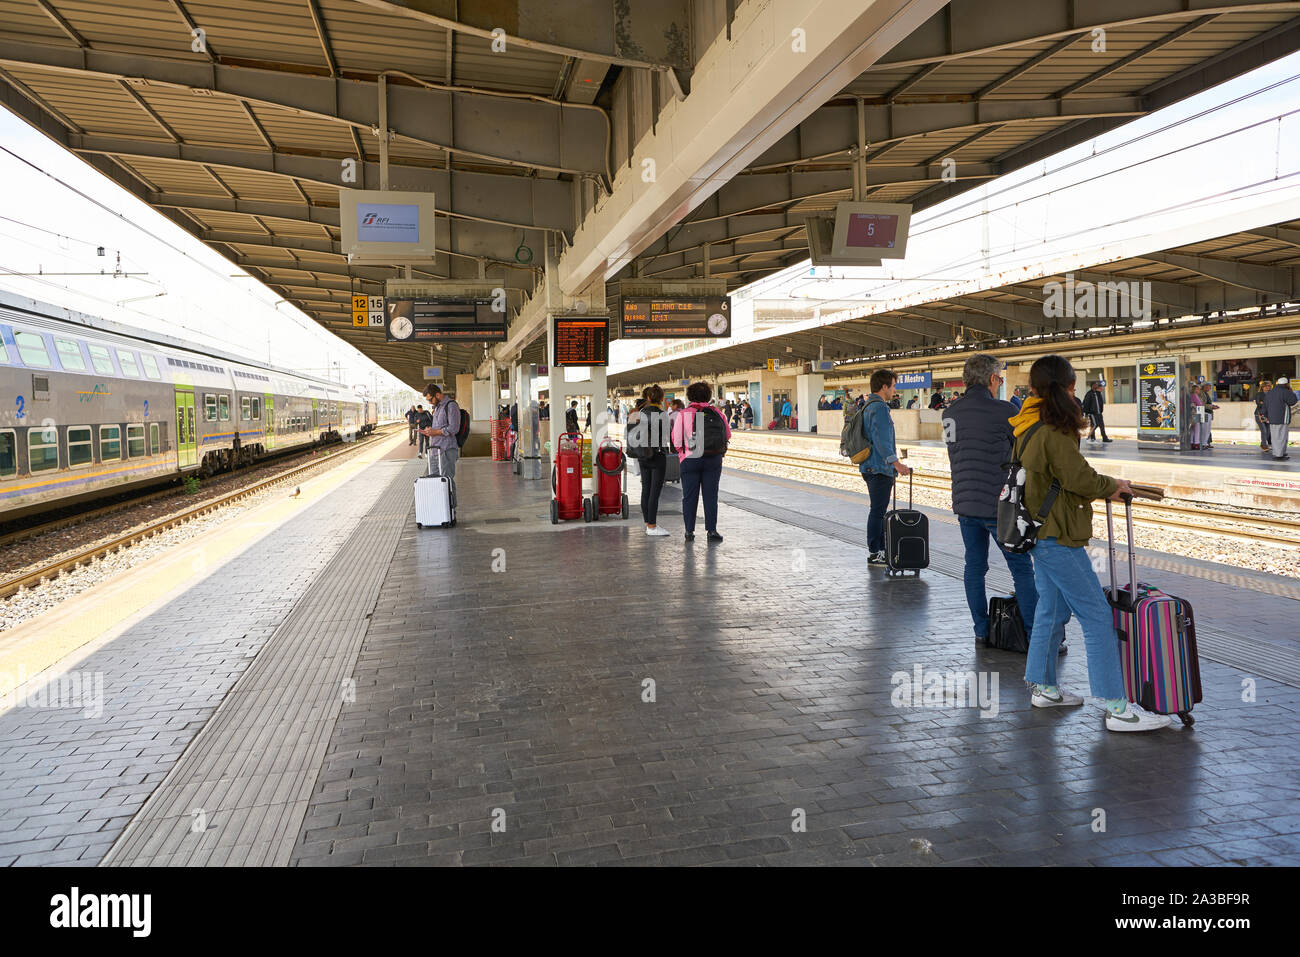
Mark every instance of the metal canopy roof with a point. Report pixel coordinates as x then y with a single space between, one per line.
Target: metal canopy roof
1255 268
241 139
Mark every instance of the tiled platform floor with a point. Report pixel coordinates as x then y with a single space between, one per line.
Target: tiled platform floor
529 694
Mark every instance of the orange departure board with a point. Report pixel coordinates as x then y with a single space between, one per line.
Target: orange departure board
581 341
675 317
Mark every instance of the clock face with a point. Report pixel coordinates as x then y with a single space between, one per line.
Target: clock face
401 328
717 323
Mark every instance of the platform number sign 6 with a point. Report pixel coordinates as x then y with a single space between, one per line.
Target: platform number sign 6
21 403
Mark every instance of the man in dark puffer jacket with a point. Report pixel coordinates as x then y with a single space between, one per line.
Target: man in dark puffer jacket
978 435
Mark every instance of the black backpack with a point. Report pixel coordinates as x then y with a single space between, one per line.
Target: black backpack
1017 529
714 431
462 433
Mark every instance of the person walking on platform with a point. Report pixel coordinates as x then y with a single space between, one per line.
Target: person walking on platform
412 424
1277 406
1261 417
882 465
423 420
1093 405
1197 403
748 416
1047 432
649 428
787 410
444 425
571 417
977 431
936 401
914 402
700 435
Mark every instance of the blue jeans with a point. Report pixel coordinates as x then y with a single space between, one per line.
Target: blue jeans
879 486
702 473
1068 585
975 534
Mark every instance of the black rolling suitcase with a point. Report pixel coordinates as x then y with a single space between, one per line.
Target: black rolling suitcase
907 537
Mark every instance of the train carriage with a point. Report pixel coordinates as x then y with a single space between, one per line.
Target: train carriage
91 408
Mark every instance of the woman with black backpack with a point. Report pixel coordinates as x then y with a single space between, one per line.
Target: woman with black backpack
647 429
700 436
1047 432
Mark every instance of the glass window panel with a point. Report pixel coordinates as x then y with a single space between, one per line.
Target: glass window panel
134 440
80 446
110 443
150 366
32 349
99 358
70 355
127 361
42 450
8 454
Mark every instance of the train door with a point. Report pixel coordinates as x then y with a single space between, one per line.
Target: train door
268 416
187 443
315 415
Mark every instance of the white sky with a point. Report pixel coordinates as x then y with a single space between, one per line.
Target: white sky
45 226
1221 161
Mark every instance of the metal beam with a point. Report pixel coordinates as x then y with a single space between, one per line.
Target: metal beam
1271 280
1280 233
323 35
1137 54
653 35
989 26
543 135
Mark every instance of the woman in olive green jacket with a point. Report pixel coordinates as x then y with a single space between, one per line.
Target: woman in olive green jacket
1063 573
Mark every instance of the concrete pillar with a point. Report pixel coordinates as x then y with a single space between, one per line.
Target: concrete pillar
807 390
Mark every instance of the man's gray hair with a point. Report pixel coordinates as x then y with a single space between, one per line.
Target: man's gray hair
979 368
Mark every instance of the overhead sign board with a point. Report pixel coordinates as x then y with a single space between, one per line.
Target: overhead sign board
433 373
368 311
675 317
455 320
873 230
581 341
913 380
387 226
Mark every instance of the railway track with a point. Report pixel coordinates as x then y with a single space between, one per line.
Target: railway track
1273 531
90 554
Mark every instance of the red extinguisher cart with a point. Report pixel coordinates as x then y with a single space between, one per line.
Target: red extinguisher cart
611 482
566 480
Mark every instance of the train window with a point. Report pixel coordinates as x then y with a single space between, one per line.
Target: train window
32 348
110 443
70 355
134 441
154 438
42 450
225 408
100 360
243 408
257 409
128 363
4 353
79 446
210 407
150 366
8 454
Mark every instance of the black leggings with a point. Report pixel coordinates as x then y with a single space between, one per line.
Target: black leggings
653 472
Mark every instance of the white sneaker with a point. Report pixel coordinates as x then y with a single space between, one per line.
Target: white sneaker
656 531
1133 718
1062 699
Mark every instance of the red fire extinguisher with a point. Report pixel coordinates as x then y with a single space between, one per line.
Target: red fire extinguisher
566 479
611 474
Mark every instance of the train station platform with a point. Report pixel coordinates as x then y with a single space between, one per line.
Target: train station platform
509 692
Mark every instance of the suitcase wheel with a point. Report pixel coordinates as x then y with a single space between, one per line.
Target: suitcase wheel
555 513
1187 718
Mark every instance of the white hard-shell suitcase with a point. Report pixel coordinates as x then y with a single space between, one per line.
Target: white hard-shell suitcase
435 501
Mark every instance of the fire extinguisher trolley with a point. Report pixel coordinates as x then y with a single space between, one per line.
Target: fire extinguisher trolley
567 502
611 482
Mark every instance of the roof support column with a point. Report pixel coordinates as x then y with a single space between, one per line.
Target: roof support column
383 132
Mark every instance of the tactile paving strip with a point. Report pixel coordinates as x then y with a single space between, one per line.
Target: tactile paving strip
1251 655
248 774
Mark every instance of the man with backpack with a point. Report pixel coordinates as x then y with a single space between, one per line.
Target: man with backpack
977 432
423 420
1093 404
443 432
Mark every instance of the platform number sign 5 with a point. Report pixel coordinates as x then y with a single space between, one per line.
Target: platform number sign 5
22 404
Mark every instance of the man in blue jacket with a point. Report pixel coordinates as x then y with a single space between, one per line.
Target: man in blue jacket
882 465
979 439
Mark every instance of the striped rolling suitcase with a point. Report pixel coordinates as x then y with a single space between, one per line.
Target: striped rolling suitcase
907 537
1157 638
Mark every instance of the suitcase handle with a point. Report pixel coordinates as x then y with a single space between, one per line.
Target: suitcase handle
909 491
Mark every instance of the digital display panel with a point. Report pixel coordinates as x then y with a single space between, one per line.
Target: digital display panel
388 223
581 341
867 230
676 317
387 226
460 320
871 230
